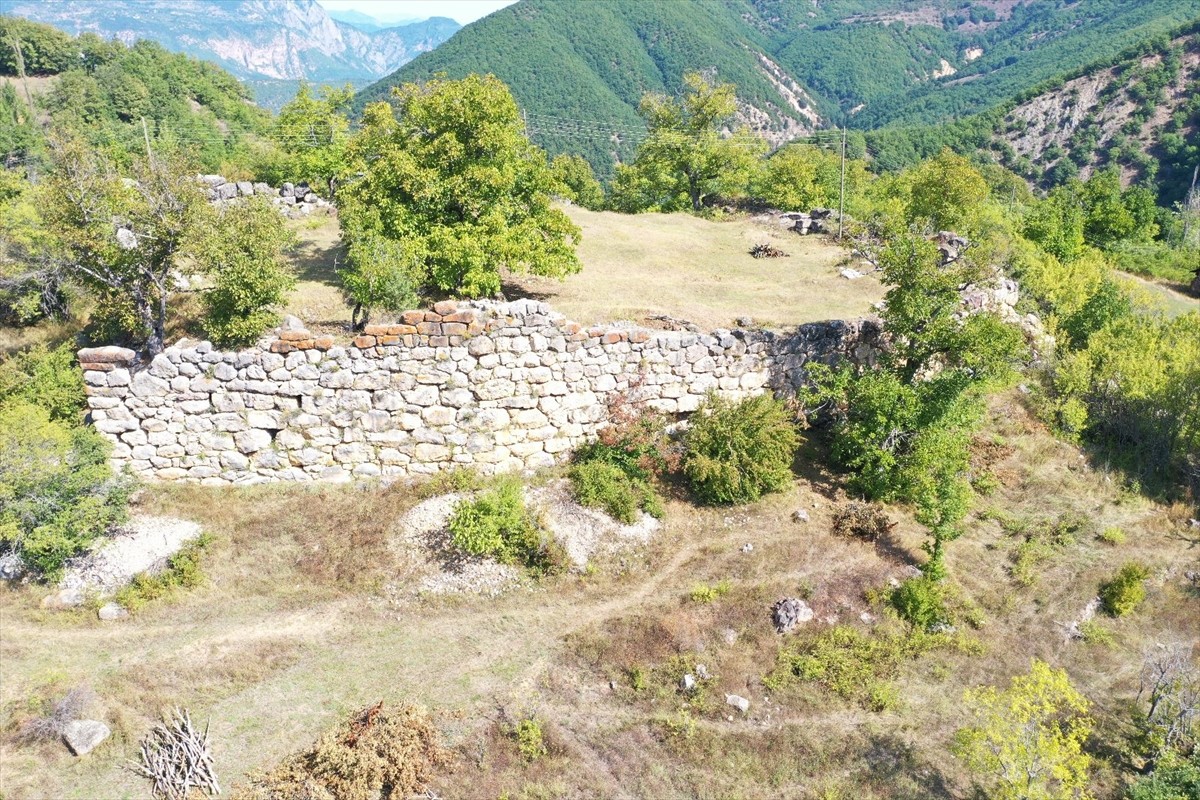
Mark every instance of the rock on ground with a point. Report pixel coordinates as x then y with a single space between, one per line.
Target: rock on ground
790 612
84 735
738 702
143 545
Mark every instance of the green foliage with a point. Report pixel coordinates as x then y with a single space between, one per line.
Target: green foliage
159 211
737 452
40 49
312 134
496 523
855 665
1113 536
704 593
862 521
1125 591
243 255
182 571
920 602
947 192
686 157
449 172
600 484
57 492
1175 777
803 177
1027 742
1092 632
47 378
577 182
530 739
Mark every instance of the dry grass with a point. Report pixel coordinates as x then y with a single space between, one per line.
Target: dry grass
292 632
636 266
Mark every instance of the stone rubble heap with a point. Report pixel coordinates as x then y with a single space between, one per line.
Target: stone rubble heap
294 199
497 386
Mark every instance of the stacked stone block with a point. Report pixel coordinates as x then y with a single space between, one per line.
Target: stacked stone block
495 386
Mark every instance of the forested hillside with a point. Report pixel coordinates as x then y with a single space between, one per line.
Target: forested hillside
104 90
579 70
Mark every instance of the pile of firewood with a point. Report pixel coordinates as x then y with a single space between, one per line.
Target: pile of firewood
176 757
767 251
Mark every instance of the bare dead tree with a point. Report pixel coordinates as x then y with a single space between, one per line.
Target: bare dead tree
1170 687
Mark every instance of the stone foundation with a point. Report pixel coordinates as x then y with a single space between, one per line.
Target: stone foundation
495 386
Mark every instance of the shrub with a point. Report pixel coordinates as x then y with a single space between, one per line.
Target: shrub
920 602
600 484
1092 632
182 572
703 593
862 521
1125 591
49 726
736 452
383 752
496 523
634 441
1175 777
57 492
530 740
49 379
1113 536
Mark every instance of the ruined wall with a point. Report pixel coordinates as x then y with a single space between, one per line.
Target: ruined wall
495 386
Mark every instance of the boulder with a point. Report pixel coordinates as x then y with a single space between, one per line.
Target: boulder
11 567
263 188
227 191
245 188
106 355
212 180
287 190
687 683
738 702
84 735
799 515
790 612
110 612
310 197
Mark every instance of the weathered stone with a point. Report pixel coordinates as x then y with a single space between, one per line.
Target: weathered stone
110 612
83 736
789 612
738 702
107 355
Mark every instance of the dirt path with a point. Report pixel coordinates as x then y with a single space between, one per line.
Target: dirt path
1175 302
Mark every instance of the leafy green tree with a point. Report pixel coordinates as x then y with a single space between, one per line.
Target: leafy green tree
1176 777
737 452
448 170
49 378
122 237
1056 224
243 255
947 192
577 182
39 49
313 134
1027 741
57 492
904 427
686 153
381 273
802 176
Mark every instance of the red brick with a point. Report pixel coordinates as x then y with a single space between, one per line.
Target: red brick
386 340
294 336
307 344
612 337
445 307
412 317
280 346
402 330
376 330
454 328
323 342
466 315
363 342
429 328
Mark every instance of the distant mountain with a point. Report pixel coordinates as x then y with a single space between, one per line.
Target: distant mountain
579 68
254 39
364 22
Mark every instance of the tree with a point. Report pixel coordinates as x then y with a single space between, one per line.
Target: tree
686 154
449 171
1056 224
577 182
1028 739
122 237
946 192
313 134
904 427
803 176
243 254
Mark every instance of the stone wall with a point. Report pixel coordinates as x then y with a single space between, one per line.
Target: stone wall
497 386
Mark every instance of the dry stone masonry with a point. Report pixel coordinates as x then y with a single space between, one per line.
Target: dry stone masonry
496 386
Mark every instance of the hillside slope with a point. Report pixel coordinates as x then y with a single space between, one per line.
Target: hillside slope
579 69
1141 115
253 39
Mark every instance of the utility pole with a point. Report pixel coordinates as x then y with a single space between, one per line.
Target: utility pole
146 136
1190 208
525 122
16 46
842 193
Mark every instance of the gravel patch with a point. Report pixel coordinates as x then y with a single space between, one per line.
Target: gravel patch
435 566
142 545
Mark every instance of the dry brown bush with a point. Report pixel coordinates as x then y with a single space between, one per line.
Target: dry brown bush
862 521
74 705
383 752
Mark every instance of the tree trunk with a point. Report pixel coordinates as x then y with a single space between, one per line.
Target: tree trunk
357 322
694 193
158 327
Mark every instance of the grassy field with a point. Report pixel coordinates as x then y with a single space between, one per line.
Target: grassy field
636 266
306 616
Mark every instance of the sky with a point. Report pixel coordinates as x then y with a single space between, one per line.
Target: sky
461 11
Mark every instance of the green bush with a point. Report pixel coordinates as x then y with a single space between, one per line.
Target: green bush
1125 591
703 593
1113 536
530 739
57 492
496 523
1176 777
49 379
920 602
600 484
737 452
183 571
